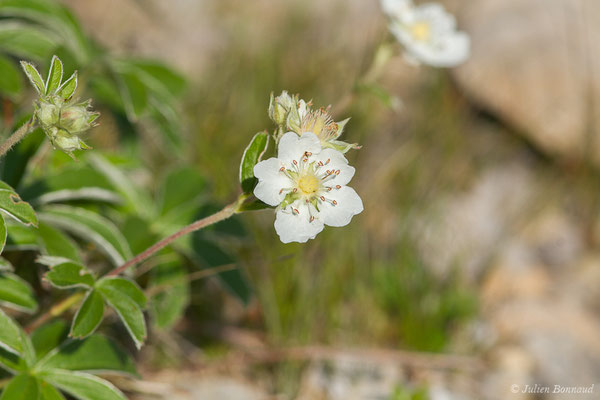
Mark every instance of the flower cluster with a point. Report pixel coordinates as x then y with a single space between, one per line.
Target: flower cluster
62 118
307 180
428 33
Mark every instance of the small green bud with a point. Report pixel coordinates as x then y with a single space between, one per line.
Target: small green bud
48 114
76 119
281 106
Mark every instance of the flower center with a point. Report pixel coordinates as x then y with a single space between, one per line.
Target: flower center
420 31
308 184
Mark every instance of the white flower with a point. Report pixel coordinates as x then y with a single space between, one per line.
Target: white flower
429 35
308 184
395 8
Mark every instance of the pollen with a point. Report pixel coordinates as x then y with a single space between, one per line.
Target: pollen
308 184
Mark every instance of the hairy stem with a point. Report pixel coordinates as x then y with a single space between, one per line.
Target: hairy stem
16 137
70 301
225 213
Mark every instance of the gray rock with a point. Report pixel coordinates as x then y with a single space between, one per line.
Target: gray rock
535 64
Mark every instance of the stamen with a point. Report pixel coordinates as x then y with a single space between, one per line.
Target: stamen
281 169
311 219
322 198
338 187
334 203
337 172
295 162
295 211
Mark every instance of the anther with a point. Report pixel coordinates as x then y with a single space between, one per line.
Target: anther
295 162
322 198
338 186
337 172
334 203
311 218
281 169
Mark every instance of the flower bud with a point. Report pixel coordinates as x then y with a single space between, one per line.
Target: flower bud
76 119
280 107
48 114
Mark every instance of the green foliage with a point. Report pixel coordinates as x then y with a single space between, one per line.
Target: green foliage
89 315
16 293
67 275
252 155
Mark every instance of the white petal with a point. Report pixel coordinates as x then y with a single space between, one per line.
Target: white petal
348 205
293 227
395 8
449 51
270 181
292 146
336 161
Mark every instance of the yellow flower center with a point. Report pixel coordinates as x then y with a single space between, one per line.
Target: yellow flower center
308 184
420 31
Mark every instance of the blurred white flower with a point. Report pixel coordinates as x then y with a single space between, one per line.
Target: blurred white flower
308 184
429 34
395 8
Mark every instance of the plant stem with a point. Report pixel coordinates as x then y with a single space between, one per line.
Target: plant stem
54 311
16 137
67 303
225 213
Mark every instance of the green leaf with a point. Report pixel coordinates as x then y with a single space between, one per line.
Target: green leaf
68 87
90 226
54 17
3 233
27 41
121 183
169 304
128 301
69 275
96 354
21 237
173 193
10 335
250 158
34 77
49 392
84 194
126 287
89 315
16 293
82 386
49 336
211 255
21 387
134 95
5 266
12 362
155 75
55 75
11 203
254 205
56 243
10 78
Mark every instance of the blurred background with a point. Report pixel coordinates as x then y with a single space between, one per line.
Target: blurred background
476 263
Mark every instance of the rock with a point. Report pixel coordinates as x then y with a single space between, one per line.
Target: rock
534 64
467 227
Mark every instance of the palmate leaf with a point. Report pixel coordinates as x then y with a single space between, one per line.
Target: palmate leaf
128 300
55 75
89 315
90 226
82 385
21 387
16 293
251 156
67 275
94 354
